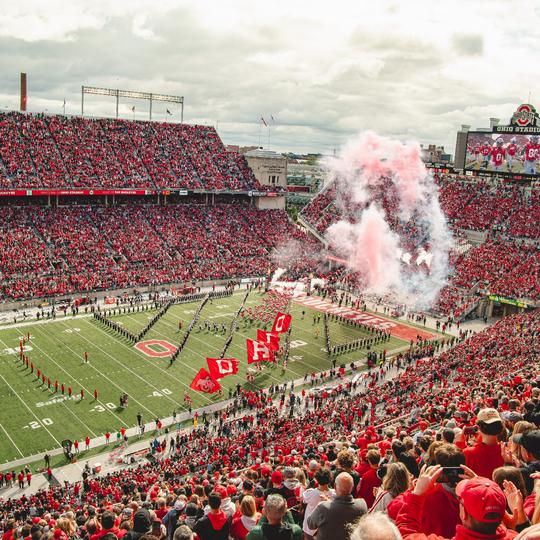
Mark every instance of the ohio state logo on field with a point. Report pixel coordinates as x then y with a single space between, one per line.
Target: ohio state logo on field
525 115
156 348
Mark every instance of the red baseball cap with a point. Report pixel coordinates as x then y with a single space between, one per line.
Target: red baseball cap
277 477
221 491
231 489
483 499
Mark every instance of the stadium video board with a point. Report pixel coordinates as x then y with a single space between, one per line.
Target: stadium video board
513 149
508 153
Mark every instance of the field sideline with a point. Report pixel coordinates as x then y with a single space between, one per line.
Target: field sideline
34 419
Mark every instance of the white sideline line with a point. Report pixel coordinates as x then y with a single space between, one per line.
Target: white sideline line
31 412
87 391
12 441
103 374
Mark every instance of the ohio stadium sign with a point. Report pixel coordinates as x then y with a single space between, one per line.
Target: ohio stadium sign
524 120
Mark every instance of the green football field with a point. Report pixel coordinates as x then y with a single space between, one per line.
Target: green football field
33 418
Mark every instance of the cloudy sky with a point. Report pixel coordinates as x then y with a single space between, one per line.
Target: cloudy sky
413 69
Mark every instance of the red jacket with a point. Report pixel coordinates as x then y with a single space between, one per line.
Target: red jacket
408 523
443 515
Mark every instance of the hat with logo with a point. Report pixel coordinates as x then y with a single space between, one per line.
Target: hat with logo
488 416
482 499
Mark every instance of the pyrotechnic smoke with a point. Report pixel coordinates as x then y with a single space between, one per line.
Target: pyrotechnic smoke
365 238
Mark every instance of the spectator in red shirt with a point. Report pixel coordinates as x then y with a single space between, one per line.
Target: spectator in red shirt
370 480
482 509
485 456
442 502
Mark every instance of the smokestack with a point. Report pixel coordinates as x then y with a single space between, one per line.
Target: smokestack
23 92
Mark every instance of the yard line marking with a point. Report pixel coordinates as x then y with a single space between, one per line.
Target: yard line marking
233 346
140 355
87 390
109 379
63 403
12 441
32 412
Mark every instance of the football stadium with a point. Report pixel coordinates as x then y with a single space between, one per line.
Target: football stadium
225 332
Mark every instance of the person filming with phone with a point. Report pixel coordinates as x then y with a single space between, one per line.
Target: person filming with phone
442 501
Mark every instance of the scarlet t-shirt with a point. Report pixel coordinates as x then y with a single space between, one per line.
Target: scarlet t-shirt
483 459
368 481
531 151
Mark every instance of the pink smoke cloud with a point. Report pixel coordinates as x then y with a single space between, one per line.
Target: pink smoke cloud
368 168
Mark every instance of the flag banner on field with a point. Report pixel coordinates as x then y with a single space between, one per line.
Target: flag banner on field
282 323
270 339
258 352
221 367
264 122
203 382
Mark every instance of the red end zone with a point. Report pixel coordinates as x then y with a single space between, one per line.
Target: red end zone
156 348
396 329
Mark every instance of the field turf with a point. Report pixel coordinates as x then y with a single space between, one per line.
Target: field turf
33 418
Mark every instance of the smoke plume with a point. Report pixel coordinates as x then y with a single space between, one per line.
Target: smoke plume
392 231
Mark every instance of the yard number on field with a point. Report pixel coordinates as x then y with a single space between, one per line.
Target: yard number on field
100 408
39 423
161 393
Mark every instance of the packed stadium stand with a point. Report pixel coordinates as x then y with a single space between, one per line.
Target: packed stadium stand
433 411
507 264
56 251
49 151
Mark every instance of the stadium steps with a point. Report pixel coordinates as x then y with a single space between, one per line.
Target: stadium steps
312 229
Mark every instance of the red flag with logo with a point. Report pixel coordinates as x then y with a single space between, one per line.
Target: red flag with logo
282 323
221 367
258 352
269 339
203 382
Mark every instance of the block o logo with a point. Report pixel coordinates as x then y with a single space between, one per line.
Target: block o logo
156 348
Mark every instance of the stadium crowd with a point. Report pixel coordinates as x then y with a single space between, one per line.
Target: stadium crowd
48 151
507 264
448 447
54 251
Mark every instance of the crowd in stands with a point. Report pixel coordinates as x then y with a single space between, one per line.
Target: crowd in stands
499 267
47 151
507 264
55 251
316 464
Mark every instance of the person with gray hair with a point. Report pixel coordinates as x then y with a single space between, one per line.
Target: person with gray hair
332 518
375 526
272 525
183 533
